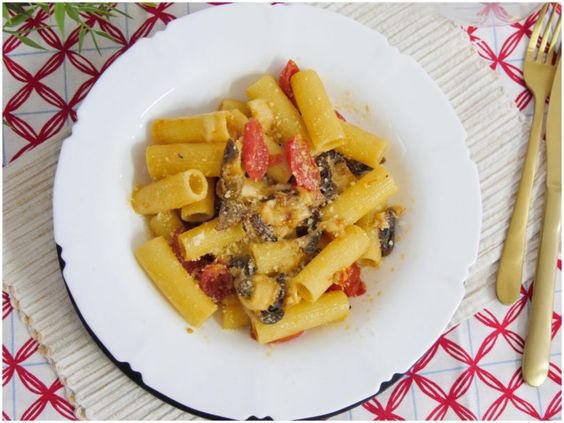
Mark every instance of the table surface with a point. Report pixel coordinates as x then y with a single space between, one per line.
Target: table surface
472 371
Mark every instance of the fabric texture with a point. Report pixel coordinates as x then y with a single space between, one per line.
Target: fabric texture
497 136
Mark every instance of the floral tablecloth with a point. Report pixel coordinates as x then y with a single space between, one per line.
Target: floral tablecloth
472 371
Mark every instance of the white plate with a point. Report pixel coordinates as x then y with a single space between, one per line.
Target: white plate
188 68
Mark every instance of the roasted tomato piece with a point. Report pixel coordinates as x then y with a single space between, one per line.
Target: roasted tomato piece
216 281
285 77
350 282
354 286
255 153
302 165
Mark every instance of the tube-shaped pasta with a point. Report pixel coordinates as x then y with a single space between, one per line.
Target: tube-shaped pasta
362 146
369 192
202 210
317 111
330 307
234 315
165 223
180 289
230 104
171 192
373 254
237 123
261 112
278 169
279 256
205 239
240 114
165 160
315 277
209 127
287 119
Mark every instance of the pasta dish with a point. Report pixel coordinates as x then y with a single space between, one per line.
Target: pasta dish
266 209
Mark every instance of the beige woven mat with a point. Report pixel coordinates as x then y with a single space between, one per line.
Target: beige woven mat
497 138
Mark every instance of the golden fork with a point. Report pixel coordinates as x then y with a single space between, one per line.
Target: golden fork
539 74
537 345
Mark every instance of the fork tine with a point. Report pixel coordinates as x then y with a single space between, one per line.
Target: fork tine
535 35
550 56
545 35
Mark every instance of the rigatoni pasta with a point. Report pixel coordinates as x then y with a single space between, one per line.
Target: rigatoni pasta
261 111
171 192
230 104
202 210
179 287
331 307
170 159
373 254
278 168
315 278
233 313
276 257
266 209
369 192
206 239
165 224
210 127
287 119
317 111
362 146
238 122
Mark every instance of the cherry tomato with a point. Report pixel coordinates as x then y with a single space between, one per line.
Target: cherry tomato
284 80
216 281
302 165
354 286
350 282
255 153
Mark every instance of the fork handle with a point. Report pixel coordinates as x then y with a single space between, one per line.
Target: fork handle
537 345
508 285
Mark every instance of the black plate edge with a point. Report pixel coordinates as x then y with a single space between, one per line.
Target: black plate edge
137 377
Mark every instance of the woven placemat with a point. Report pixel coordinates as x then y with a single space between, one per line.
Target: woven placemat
497 136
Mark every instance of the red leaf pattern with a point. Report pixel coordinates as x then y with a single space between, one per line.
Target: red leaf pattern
6 305
554 407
